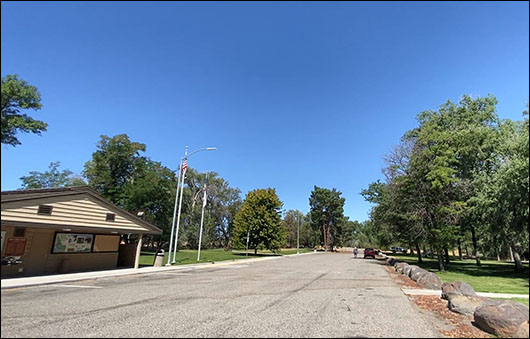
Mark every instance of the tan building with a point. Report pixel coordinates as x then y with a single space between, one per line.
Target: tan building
61 230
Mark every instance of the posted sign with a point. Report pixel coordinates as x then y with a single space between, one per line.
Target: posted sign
16 246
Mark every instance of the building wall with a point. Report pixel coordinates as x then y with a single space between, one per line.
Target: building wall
72 210
38 259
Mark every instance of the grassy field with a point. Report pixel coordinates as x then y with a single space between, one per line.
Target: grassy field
213 255
492 276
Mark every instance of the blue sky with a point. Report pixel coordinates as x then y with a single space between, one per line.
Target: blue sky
292 94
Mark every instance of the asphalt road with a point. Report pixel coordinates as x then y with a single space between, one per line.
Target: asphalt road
316 295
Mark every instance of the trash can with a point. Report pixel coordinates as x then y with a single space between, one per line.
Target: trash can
159 258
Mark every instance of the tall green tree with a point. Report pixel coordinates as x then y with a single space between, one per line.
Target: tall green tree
132 181
223 202
327 214
151 191
260 219
51 178
292 222
115 164
17 97
502 200
458 144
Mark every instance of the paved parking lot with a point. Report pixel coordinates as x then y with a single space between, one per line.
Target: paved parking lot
317 295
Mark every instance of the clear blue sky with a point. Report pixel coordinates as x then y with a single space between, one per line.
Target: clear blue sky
292 94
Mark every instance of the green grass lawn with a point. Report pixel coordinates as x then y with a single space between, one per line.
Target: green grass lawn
213 255
492 276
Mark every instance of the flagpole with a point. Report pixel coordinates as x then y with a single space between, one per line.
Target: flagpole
174 215
202 219
184 168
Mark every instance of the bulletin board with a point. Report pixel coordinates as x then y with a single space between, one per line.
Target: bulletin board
73 243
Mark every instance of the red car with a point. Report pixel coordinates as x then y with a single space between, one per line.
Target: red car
369 252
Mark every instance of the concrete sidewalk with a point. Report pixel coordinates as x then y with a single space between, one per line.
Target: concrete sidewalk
411 291
61 278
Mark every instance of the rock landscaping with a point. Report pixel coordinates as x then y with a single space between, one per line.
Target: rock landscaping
502 318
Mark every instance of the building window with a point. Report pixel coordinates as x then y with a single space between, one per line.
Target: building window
45 209
110 217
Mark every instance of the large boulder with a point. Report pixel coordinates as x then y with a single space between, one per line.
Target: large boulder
457 288
429 280
417 272
406 270
400 266
465 304
502 318
411 268
522 331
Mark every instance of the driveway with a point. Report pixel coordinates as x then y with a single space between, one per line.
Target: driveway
316 295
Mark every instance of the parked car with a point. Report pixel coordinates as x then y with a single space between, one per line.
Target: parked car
398 249
369 252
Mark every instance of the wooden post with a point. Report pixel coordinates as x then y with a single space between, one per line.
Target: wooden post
138 250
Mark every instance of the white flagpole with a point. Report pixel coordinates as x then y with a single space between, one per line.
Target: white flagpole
180 203
202 219
174 215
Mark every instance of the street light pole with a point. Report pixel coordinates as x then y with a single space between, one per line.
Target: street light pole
174 215
248 236
185 158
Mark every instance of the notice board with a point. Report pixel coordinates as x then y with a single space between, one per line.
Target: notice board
16 246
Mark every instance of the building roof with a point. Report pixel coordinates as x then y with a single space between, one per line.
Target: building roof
45 193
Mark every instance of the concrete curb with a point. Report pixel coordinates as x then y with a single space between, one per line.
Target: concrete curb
61 278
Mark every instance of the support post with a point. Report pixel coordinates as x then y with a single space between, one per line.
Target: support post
138 250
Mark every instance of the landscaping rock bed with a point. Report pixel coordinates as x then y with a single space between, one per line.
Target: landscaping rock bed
503 318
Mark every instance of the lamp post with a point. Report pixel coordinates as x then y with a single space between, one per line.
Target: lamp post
184 168
248 236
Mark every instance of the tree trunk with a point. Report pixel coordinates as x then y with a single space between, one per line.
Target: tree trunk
475 251
256 251
511 254
459 250
411 249
440 261
467 252
446 256
518 263
419 253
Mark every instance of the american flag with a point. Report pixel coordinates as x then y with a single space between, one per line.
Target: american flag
184 165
